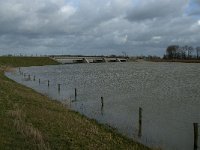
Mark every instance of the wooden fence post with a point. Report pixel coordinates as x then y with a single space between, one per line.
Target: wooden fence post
140 122
102 102
59 88
195 125
75 93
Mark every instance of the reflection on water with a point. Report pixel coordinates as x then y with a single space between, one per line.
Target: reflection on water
168 93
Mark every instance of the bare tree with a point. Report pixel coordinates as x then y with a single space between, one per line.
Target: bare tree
198 52
182 52
171 51
190 49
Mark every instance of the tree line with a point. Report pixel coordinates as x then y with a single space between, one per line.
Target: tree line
182 52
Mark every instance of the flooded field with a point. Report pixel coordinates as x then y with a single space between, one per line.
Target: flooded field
168 93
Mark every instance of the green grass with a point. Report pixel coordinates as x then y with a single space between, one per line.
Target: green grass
29 120
26 61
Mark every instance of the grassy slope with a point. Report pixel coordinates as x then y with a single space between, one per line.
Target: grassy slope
26 61
29 120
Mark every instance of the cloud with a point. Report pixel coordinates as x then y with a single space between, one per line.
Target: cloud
35 16
152 9
96 27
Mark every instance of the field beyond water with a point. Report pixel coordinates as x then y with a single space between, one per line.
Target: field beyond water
30 120
177 60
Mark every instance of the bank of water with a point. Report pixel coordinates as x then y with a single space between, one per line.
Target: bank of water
168 93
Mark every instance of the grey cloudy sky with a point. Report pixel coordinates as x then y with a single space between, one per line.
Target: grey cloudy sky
96 27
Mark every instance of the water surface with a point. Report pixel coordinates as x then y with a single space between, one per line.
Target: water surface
169 94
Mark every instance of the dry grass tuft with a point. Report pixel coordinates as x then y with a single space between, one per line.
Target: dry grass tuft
7 69
27 129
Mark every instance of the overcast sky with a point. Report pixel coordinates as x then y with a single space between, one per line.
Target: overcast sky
97 27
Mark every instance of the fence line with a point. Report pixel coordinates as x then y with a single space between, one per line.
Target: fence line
195 125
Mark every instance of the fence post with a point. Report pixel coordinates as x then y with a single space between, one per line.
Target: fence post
75 93
48 83
102 102
39 81
59 88
140 122
195 125
34 78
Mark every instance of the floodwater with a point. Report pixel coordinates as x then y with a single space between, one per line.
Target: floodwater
168 93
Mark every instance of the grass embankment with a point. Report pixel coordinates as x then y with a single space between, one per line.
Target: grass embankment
29 120
26 61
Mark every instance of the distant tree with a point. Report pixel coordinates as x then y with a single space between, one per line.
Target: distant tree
198 52
9 55
185 49
112 55
164 56
150 57
190 50
181 52
171 51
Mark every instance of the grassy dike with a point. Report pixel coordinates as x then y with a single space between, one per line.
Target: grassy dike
29 120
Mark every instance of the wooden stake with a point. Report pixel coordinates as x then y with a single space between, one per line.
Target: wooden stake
195 136
58 87
140 122
75 93
102 102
